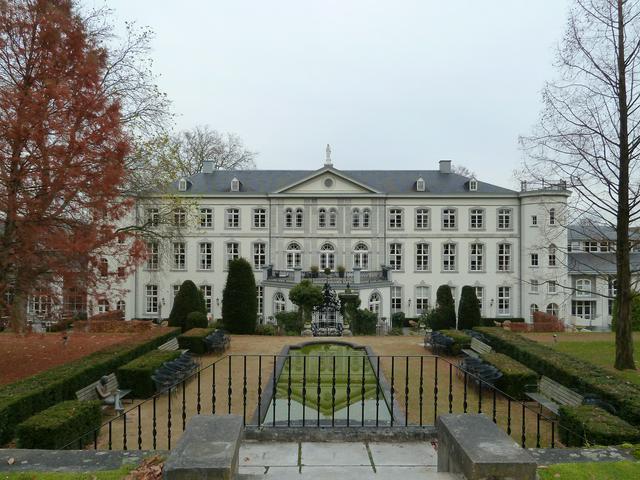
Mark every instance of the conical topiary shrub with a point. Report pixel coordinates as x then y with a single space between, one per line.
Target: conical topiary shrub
189 299
445 314
469 309
239 298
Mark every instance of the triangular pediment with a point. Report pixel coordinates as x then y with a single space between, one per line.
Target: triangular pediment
327 180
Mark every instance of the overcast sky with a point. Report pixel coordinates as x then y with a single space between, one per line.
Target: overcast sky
394 84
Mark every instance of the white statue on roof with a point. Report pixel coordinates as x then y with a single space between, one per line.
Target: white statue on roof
327 160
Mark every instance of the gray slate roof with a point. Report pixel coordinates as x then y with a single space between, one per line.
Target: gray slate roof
384 181
597 233
598 263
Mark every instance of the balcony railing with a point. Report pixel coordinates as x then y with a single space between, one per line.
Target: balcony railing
333 278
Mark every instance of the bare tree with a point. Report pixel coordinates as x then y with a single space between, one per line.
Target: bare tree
589 132
462 170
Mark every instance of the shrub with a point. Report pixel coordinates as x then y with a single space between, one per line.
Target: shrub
111 315
469 309
635 313
239 298
546 322
58 425
306 295
490 321
461 340
266 329
591 425
395 331
189 299
193 340
364 322
22 399
397 319
515 376
196 320
445 313
573 373
136 375
291 322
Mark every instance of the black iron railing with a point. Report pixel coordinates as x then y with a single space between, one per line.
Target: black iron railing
322 391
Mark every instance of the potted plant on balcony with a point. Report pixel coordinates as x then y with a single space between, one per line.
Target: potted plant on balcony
314 271
341 271
327 271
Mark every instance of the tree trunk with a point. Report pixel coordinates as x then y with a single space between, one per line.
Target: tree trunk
18 312
624 338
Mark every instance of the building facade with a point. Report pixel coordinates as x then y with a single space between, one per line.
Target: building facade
392 236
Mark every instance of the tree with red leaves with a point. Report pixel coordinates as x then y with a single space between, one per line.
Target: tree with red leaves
62 157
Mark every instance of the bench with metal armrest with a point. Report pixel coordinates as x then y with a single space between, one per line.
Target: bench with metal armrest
551 395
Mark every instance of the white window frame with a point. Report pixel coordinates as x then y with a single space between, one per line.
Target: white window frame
534 260
151 299
423 218
327 256
205 256
299 218
279 303
534 220
207 293
552 287
322 218
259 255
179 251
179 217
505 219
505 263
534 285
232 218
479 291
206 217
476 219
533 308
355 218
449 219
153 216
583 287
395 256
396 219
423 297
375 303
232 252
504 301
361 256
449 257
259 217
552 257
396 298
366 218
553 309
476 257
293 256
423 257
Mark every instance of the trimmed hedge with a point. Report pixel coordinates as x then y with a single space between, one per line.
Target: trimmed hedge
24 398
136 375
515 376
58 425
193 340
196 320
573 373
461 340
591 425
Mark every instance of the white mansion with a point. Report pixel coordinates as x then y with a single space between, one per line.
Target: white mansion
393 236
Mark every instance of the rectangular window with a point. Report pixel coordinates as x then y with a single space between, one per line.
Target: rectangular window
206 218
534 220
179 256
232 219
422 218
504 257
208 296
591 246
583 309
476 219
422 257
449 257
259 255
552 216
504 300
395 256
476 257
422 300
449 219
233 251
504 219
153 260
552 286
153 217
534 286
205 260
395 218
480 296
259 218
552 256
396 299
179 217
534 260
260 295
151 298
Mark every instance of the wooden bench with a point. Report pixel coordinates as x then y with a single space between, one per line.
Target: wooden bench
477 348
170 345
551 395
89 392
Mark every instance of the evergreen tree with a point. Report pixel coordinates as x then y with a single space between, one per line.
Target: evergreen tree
239 298
189 299
469 309
445 313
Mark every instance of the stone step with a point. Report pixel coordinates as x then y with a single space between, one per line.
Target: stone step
347 473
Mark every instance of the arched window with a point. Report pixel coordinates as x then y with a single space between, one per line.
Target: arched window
361 256
355 218
279 303
583 287
121 306
366 215
420 184
299 218
322 218
552 309
182 185
103 305
288 218
294 255
533 309
327 256
375 303
235 185
333 215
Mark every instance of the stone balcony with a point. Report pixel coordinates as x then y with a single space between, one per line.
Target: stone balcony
356 278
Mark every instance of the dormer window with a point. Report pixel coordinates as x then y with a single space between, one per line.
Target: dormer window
473 185
420 185
235 185
182 185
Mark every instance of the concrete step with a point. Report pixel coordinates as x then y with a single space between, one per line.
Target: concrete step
348 473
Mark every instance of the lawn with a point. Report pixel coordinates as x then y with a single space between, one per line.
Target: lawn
591 471
597 348
101 475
